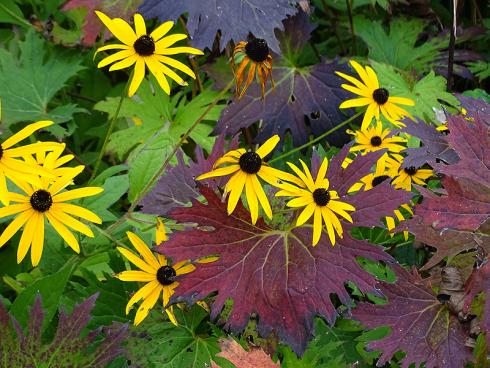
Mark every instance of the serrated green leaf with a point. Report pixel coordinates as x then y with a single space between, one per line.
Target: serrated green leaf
29 81
426 92
398 48
114 188
161 344
154 111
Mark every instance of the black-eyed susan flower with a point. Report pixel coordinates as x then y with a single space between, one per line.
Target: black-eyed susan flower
47 202
156 272
317 201
256 56
407 175
247 168
375 97
16 169
375 138
140 48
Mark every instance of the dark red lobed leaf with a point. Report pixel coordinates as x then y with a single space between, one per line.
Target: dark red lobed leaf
478 282
447 242
235 19
274 273
434 145
471 141
466 206
178 185
420 325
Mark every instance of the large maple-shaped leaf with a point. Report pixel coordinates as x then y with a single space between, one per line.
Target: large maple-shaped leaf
447 242
31 78
235 19
434 145
420 325
92 26
301 94
274 273
178 186
69 346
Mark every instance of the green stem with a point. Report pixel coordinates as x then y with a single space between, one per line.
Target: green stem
162 169
351 23
110 129
317 139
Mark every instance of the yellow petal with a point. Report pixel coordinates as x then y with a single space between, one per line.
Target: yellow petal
259 191
139 276
123 64
26 239
66 234
13 209
69 221
137 261
118 28
165 42
317 226
138 76
14 226
177 65
306 214
181 50
77 193
236 191
161 30
142 293
25 132
146 306
161 233
268 146
222 171
38 241
139 25
143 249
253 204
355 102
79 212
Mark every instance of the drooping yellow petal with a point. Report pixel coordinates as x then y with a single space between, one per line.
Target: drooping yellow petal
78 211
14 226
306 214
138 76
13 209
115 57
253 204
177 65
146 306
123 64
263 200
38 241
142 293
317 226
328 224
27 235
161 233
4 193
236 191
66 234
72 223
181 50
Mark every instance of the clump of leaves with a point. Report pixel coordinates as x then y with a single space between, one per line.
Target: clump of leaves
70 346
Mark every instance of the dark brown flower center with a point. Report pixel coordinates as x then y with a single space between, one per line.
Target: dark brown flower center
381 95
250 162
376 141
144 46
257 50
41 200
379 179
411 170
321 196
165 275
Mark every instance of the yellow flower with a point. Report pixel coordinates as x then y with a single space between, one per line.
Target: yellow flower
142 49
411 174
318 201
247 168
256 54
158 275
375 138
160 233
376 98
47 202
15 169
52 161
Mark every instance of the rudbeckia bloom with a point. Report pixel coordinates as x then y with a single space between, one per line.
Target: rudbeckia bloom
158 275
376 98
318 201
140 49
52 161
256 55
247 168
411 174
375 138
47 202
19 170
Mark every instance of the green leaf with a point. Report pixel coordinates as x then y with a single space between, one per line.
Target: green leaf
11 13
480 68
332 347
30 80
50 287
398 47
155 112
427 92
157 343
114 188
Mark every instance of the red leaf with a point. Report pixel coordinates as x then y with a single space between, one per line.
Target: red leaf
93 26
420 325
254 358
466 206
274 273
